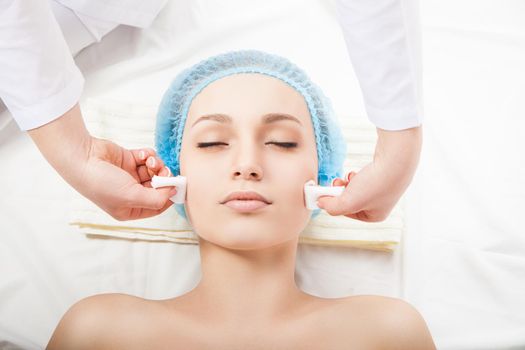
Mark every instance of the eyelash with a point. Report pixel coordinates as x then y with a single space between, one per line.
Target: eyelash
280 144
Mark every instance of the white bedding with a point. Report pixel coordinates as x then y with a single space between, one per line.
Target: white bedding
464 265
462 257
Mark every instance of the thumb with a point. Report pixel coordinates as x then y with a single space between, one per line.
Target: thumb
340 205
150 198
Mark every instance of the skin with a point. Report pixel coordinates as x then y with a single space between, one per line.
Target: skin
116 179
247 297
376 188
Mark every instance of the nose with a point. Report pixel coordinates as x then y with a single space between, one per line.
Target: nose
247 165
248 172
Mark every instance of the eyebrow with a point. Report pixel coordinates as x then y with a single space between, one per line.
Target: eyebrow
266 119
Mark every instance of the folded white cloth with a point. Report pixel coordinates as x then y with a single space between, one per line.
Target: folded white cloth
132 126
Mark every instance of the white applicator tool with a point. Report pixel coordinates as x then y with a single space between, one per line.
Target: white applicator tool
312 192
177 181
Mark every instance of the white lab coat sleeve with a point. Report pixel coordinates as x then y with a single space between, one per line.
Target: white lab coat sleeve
39 80
136 13
383 38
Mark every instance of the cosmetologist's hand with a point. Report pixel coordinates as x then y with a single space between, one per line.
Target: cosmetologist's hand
114 178
371 194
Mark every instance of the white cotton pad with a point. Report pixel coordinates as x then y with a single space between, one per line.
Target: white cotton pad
178 181
312 192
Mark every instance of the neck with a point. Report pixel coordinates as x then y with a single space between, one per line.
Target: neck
255 285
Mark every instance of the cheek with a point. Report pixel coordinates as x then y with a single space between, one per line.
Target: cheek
289 176
294 169
290 213
198 173
199 186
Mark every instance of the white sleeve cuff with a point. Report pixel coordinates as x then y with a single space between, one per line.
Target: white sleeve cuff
396 119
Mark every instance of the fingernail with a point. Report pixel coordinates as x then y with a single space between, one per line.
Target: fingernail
168 170
151 162
142 155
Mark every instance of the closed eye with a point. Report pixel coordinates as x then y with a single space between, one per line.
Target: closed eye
284 144
280 144
210 144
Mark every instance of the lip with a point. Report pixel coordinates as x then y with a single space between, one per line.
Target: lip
246 201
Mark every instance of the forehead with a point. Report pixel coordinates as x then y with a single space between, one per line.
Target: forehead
248 96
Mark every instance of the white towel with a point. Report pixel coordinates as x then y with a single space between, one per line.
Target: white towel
132 125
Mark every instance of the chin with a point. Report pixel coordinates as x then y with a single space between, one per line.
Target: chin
245 238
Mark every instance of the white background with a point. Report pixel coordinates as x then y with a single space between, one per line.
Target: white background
462 261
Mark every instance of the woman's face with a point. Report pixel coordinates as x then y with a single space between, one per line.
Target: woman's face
248 132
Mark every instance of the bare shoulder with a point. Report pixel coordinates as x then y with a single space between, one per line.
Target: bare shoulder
92 321
389 322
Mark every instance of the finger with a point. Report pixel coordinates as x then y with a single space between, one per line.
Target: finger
140 155
350 175
165 171
143 174
339 182
335 205
154 165
140 196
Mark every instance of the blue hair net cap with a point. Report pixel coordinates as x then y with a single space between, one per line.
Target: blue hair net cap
173 109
